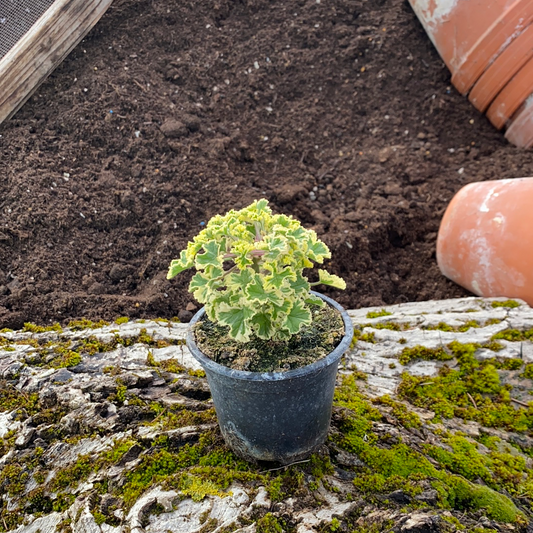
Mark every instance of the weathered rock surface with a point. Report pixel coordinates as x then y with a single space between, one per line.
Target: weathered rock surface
111 429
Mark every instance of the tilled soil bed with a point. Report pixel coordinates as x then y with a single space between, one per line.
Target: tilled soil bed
340 112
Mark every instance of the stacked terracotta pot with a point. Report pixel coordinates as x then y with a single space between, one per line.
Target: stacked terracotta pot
488 47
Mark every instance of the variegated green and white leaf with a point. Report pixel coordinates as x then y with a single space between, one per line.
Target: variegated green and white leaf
238 320
331 279
211 256
298 316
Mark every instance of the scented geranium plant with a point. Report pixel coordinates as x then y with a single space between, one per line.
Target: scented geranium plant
250 277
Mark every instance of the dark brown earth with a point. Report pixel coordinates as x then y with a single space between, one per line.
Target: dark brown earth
340 112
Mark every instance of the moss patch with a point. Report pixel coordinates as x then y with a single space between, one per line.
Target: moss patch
385 467
474 392
507 303
377 314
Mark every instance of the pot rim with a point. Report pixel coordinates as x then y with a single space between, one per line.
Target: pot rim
331 358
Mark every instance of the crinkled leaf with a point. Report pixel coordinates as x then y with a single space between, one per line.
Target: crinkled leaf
278 275
331 279
298 316
179 265
211 256
237 318
256 291
268 293
278 311
261 206
275 247
203 284
318 251
243 258
241 279
199 287
314 300
300 284
263 325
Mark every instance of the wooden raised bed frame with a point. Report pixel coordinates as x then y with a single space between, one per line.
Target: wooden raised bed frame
53 36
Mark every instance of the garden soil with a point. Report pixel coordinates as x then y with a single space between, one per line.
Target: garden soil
339 112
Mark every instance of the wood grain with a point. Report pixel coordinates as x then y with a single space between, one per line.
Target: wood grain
42 49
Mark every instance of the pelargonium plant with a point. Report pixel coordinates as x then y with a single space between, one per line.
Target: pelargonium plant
250 272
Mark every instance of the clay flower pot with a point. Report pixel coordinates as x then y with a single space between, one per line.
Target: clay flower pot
512 96
485 240
520 131
502 69
488 47
470 34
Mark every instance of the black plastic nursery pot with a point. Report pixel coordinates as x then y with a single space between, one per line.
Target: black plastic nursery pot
274 416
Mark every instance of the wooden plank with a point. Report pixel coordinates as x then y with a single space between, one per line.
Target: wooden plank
42 49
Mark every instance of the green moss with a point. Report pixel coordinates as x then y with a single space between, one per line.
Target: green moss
335 525
505 363
368 337
269 524
153 468
72 475
514 335
37 501
32 328
196 373
9 520
168 365
506 303
177 416
78 325
452 520
528 371
92 345
62 502
347 395
495 346
377 314
197 488
469 324
463 459
473 393
468 496
61 355
122 320
393 326
405 417
112 370
401 467
11 398
441 326
13 479
358 374
421 352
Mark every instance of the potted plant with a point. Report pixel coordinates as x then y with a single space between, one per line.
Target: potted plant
269 345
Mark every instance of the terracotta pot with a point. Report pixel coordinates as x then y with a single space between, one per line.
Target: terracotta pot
470 34
485 240
503 68
520 131
512 96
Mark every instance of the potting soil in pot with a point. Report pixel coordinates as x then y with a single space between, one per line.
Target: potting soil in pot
313 342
